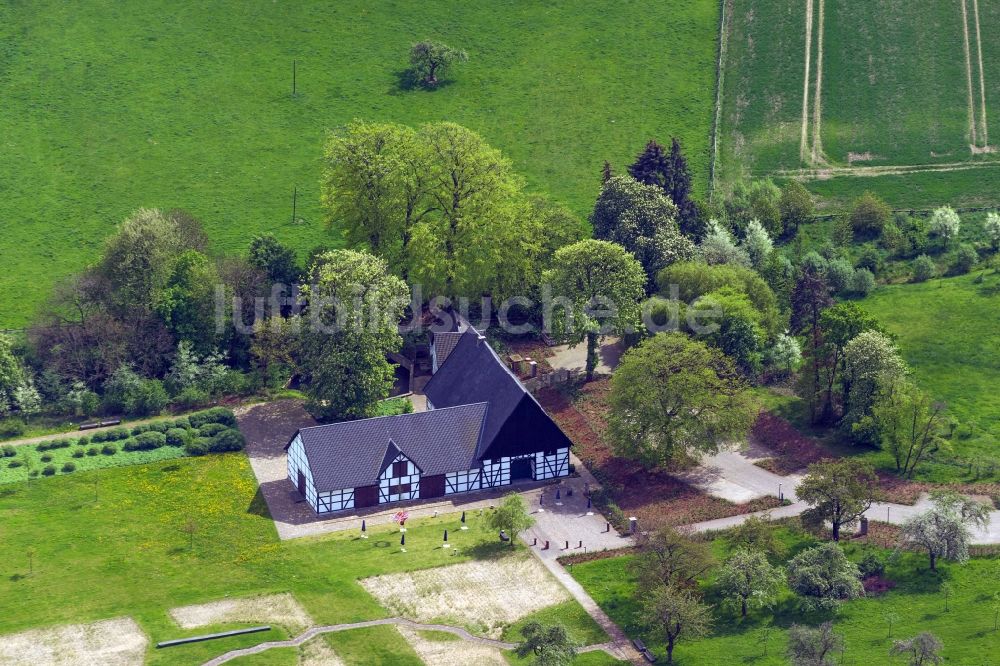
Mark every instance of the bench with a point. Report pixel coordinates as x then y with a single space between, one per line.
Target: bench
649 656
639 645
504 537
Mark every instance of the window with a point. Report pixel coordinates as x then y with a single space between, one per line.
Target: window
399 468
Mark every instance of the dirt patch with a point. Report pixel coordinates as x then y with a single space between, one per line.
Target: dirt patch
280 609
794 450
485 596
654 497
118 642
447 653
318 652
904 491
860 157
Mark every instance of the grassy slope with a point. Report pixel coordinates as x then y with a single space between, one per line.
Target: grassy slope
966 629
949 332
893 85
108 107
125 554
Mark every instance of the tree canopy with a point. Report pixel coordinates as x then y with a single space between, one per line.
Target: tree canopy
430 60
839 491
824 577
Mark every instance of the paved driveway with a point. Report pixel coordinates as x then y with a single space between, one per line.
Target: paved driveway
609 353
732 475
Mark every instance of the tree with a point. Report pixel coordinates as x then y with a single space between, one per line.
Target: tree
12 374
672 396
796 206
186 302
944 530
667 557
670 173
785 355
675 612
738 330
756 200
719 247
27 398
839 491
550 645
992 228
824 577
599 285
354 310
924 268
924 649
907 423
965 260
862 282
429 60
757 244
870 357
945 224
276 260
275 349
748 579
511 516
813 647
643 220
756 533
869 215
809 299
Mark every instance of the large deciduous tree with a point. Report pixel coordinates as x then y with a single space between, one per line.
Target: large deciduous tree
824 577
809 646
839 491
796 206
944 530
907 423
672 396
643 221
430 60
549 645
870 358
598 286
924 649
747 579
667 557
277 261
675 613
809 298
354 309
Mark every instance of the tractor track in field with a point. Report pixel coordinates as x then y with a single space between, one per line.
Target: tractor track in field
827 172
983 130
817 141
804 141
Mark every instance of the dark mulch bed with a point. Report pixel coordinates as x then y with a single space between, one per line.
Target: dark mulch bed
654 497
794 451
905 491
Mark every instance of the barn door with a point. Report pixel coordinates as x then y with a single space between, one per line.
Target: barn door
302 483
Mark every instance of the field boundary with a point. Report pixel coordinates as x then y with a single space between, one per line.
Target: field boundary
720 66
827 172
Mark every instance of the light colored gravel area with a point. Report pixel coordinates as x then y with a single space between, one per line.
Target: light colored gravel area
486 595
450 652
279 609
117 642
318 652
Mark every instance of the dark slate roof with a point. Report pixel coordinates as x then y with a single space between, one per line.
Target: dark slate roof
515 423
444 344
354 453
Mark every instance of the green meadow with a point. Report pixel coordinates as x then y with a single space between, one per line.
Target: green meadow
111 106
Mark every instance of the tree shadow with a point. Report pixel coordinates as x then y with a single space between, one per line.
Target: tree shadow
407 81
16 577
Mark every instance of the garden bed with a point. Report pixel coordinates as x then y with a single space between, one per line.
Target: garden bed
794 451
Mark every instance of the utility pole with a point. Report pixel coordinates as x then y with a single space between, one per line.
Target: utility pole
295 197
294 76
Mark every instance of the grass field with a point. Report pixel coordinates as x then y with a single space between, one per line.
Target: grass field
125 554
949 332
966 629
109 107
876 84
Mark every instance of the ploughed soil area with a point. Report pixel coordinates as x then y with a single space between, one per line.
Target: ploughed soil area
793 450
653 496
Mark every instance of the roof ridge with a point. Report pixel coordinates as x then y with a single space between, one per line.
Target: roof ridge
393 416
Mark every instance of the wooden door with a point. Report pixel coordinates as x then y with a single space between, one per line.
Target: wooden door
302 483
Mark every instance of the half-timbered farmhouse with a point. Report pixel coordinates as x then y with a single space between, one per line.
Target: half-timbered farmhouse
483 429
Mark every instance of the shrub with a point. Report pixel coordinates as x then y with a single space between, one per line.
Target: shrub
54 444
68 467
871 565
176 437
965 259
93 451
192 396
49 470
870 259
8 451
196 447
869 215
46 457
83 441
146 441
183 423
116 434
139 429
11 428
160 426
863 282
214 415
211 429
109 449
14 463
924 268
79 453
228 440
838 275
33 473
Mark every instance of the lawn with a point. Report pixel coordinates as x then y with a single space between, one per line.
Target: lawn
949 332
127 554
893 93
110 106
966 629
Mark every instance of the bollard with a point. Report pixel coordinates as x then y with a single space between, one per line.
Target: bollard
557 493
546 546
534 541
567 546
632 524
607 527
581 544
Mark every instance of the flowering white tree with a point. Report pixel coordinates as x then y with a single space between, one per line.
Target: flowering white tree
757 244
944 530
27 398
785 355
945 223
719 247
992 227
747 579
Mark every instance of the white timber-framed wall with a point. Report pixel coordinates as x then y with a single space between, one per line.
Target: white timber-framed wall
551 466
335 500
496 473
400 481
297 462
463 482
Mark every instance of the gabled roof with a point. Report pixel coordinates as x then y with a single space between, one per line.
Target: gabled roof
475 373
354 453
444 345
